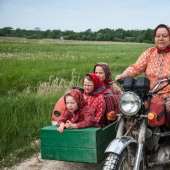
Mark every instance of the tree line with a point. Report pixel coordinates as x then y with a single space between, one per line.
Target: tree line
117 35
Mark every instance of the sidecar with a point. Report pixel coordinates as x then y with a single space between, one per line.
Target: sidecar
74 145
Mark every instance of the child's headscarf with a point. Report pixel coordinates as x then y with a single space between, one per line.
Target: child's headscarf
99 87
77 95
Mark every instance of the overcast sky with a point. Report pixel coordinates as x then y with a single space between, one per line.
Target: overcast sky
80 15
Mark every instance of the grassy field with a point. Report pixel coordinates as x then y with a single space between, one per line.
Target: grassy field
35 73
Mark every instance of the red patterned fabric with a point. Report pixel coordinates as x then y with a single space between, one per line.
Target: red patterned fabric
83 116
156 66
167 49
95 99
102 103
111 101
98 104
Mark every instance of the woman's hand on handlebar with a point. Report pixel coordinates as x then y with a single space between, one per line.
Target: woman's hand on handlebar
123 75
119 77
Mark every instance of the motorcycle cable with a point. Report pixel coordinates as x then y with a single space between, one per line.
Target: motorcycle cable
159 89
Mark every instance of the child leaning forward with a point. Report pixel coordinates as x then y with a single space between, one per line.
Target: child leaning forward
78 114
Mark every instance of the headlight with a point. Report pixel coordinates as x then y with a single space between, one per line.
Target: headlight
129 103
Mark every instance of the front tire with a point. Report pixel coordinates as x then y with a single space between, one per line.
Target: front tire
122 161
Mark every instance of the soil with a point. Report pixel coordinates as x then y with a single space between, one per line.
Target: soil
36 163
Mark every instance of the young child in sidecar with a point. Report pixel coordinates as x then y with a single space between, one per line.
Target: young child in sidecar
78 114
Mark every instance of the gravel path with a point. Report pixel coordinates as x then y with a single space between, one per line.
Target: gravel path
36 163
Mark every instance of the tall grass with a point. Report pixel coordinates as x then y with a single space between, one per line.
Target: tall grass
34 75
25 113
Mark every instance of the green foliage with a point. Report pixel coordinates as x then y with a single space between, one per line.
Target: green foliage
118 35
21 118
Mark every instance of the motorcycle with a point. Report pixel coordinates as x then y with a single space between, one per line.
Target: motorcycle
142 138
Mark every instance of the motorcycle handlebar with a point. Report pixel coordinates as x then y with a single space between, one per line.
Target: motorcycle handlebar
120 81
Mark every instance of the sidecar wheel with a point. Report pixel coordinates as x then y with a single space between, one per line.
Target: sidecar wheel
120 162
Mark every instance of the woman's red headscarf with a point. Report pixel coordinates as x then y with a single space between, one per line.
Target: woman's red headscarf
107 71
99 87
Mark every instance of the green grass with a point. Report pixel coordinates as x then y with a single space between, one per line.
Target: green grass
24 64
34 74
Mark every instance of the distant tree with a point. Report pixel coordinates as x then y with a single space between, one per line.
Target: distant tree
148 36
6 31
88 32
18 32
89 37
37 29
47 34
105 34
56 34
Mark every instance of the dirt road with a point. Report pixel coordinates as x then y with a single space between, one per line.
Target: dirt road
36 163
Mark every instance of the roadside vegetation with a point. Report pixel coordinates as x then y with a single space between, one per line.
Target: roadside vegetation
35 74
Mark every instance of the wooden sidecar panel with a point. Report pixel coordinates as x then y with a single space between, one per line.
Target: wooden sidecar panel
59 108
76 145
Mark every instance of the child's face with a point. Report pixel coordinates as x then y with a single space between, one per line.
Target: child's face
71 104
100 73
88 86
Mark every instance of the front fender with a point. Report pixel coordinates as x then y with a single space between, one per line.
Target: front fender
118 144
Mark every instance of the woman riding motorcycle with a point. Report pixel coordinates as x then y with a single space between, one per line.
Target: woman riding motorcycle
155 63
142 139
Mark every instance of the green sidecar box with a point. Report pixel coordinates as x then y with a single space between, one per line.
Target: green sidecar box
76 145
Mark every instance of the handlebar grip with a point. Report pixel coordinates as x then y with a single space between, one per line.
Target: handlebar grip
120 81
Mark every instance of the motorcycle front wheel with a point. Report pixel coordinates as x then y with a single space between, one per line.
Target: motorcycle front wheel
121 162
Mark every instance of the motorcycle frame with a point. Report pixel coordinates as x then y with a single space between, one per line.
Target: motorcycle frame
122 142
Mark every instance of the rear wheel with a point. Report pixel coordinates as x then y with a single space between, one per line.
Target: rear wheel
124 161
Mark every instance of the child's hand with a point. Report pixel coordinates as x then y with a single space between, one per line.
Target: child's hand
61 128
68 124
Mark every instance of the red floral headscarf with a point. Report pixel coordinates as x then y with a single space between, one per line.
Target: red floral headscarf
99 87
77 95
107 71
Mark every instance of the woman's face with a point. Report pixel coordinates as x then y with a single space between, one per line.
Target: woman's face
88 86
100 73
71 104
162 39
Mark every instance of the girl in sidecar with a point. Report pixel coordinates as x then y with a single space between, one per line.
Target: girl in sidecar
77 114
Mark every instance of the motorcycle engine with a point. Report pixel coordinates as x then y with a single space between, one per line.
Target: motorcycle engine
150 139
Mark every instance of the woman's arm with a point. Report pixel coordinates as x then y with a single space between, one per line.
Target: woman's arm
126 73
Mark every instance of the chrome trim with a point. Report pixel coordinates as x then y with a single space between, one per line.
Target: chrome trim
139 103
138 156
118 144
